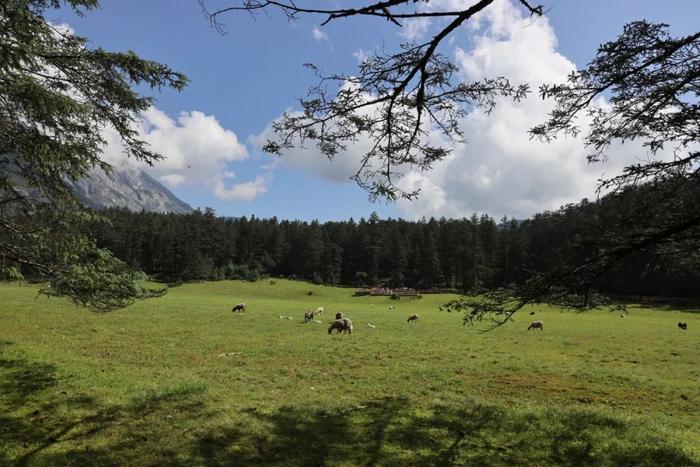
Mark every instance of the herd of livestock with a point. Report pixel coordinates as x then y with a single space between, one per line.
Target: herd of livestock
343 324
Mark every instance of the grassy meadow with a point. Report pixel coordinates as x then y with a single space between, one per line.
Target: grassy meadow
181 380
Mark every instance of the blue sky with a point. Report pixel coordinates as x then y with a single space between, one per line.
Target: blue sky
243 80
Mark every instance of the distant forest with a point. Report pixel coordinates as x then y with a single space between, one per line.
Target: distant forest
466 254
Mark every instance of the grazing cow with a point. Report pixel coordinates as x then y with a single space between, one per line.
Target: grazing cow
308 316
348 325
337 325
682 326
318 311
536 325
341 325
238 307
413 317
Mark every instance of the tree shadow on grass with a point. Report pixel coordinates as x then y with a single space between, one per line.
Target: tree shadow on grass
685 308
392 432
669 304
43 423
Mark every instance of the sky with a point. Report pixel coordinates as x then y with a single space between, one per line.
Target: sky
241 81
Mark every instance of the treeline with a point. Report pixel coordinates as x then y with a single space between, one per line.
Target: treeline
465 254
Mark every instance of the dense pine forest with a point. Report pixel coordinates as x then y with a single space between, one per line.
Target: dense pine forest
465 254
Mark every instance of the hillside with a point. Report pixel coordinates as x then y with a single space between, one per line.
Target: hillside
127 188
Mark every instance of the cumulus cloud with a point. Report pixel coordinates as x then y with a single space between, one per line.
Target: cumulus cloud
341 168
195 146
499 171
308 158
247 191
196 151
416 28
172 180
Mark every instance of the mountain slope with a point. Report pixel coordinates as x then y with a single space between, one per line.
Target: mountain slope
129 188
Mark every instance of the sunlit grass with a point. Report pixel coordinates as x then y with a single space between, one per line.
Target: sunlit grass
182 379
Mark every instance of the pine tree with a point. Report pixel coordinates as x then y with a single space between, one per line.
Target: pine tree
57 94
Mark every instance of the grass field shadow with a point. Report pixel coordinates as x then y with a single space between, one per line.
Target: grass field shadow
392 432
684 307
43 422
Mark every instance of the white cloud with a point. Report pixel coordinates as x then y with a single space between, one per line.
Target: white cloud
195 146
415 28
172 180
319 36
360 55
247 191
196 151
499 170
308 158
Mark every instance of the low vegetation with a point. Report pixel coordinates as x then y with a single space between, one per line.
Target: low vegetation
180 379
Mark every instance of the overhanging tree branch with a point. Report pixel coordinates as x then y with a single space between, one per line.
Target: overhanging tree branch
394 101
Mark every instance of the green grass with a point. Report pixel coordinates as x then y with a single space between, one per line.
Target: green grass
182 380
